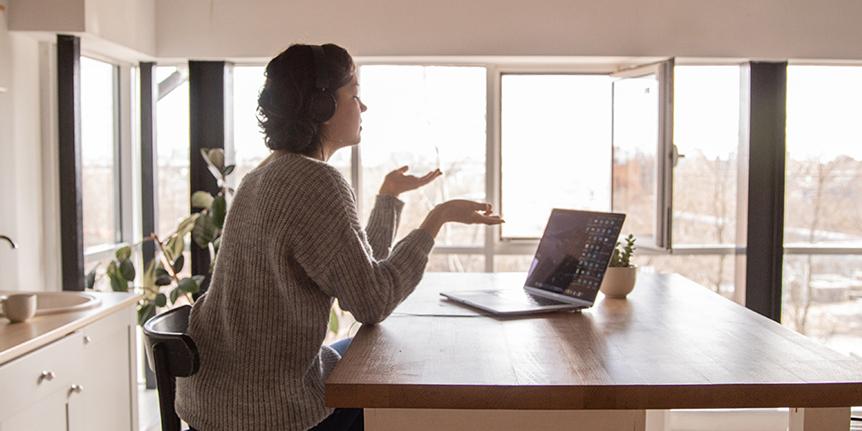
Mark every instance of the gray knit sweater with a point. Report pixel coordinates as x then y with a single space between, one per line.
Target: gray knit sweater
292 242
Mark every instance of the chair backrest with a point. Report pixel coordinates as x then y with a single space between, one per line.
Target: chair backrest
171 353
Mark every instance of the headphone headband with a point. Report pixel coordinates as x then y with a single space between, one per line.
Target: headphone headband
320 77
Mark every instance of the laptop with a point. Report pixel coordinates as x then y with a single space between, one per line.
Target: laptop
566 271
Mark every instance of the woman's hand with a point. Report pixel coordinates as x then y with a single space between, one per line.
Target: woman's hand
459 211
396 182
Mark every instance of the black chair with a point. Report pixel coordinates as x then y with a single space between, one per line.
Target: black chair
171 353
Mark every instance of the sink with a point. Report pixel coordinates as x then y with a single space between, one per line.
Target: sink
60 302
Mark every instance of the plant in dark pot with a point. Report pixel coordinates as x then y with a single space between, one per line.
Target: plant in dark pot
162 284
621 274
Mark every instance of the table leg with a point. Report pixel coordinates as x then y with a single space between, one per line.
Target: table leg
504 420
819 419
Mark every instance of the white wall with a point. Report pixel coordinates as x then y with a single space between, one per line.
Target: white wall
119 28
685 28
128 23
22 214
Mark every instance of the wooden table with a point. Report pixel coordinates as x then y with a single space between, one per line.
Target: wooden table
671 344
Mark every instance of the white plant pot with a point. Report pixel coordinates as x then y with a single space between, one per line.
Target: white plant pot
618 282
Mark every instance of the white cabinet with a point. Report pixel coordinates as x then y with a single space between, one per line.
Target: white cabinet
84 381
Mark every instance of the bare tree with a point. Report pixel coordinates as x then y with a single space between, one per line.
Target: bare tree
823 173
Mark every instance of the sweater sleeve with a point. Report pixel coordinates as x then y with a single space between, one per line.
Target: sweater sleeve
332 248
383 224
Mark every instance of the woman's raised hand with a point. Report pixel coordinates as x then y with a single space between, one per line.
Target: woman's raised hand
459 211
396 182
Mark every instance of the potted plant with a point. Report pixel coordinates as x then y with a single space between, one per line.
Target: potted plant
161 284
621 273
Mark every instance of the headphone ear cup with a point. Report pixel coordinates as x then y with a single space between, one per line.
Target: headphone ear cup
322 106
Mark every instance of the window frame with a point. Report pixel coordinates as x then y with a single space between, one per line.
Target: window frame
126 157
802 248
497 66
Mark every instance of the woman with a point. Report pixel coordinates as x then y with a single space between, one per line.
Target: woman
292 243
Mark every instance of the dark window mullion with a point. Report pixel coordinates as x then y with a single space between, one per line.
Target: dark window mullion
149 155
764 127
69 151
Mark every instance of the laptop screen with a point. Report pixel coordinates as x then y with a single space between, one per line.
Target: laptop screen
574 252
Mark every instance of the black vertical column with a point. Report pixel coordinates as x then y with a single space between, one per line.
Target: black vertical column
69 142
149 185
210 105
765 102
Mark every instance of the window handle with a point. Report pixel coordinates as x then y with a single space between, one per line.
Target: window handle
675 156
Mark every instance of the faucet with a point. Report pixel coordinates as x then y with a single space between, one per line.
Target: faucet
9 240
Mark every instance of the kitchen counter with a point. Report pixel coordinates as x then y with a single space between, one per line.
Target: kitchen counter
17 339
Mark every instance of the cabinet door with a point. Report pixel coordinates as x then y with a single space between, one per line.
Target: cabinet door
107 386
39 375
48 414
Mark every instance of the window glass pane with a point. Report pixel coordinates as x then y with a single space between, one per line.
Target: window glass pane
99 172
172 134
706 131
249 149
822 298
513 263
456 263
249 146
556 148
824 155
635 142
715 272
425 117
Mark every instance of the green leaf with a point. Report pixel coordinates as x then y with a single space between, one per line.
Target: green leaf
90 279
228 170
161 272
188 285
148 280
333 321
163 280
118 283
145 312
187 223
123 253
127 270
112 268
161 300
178 264
201 199
175 293
205 231
219 211
215 160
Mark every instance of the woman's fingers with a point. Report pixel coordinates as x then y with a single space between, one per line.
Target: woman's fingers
489 219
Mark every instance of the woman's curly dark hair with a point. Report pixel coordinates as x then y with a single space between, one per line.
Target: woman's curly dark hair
283 111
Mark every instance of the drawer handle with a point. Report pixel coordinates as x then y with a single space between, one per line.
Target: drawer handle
76 389
87 339
46 376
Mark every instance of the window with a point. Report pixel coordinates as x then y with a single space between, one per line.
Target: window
642 102
425 117
706 133
822 288
555 148
100 175
172 137
567 139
